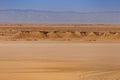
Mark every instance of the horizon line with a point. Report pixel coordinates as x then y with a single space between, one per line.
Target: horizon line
61 11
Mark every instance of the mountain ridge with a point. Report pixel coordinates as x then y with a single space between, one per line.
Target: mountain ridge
62 17
57 11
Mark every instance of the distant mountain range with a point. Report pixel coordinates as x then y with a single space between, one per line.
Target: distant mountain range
60 17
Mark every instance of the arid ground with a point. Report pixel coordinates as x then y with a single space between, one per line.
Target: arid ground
68 32
59 61
69 52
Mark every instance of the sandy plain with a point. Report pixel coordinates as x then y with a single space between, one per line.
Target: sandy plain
56 60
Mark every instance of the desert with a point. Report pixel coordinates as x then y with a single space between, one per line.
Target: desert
59 52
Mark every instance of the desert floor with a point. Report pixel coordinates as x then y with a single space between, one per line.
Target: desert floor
46 60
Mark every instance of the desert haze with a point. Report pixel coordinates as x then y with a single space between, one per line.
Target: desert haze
21 16
59 52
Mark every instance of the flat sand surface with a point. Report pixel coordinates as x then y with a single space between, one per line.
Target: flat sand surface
59 61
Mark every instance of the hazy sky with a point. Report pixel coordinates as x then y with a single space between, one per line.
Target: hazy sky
63 5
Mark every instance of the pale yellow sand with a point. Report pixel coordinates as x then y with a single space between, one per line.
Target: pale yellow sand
59 61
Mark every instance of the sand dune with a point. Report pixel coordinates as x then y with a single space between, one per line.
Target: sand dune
58 32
